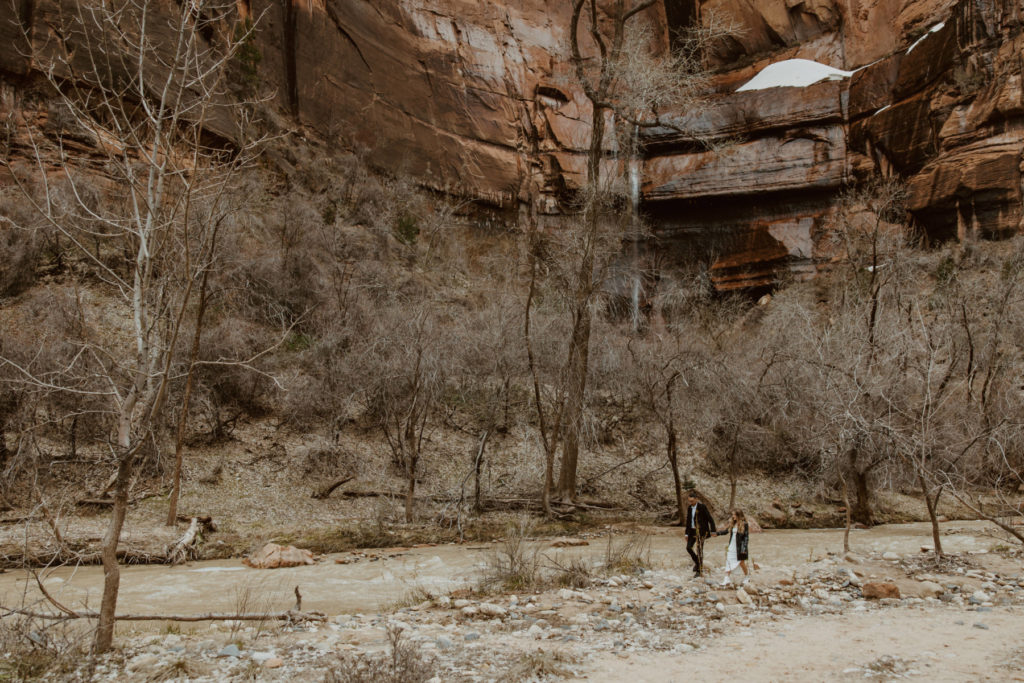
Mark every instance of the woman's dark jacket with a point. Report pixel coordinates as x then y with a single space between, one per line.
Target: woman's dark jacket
742 540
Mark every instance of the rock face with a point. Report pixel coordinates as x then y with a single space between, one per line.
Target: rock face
475 99
938 103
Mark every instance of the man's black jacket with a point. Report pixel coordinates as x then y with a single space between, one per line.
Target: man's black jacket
704 521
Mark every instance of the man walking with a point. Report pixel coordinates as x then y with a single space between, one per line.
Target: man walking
699 525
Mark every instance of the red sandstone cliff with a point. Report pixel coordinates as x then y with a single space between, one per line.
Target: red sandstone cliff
470 97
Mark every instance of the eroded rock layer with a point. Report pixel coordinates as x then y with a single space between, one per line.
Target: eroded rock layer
476 99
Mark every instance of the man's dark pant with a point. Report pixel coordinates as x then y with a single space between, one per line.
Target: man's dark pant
698 555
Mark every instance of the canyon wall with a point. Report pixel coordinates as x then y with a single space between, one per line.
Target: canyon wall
475 99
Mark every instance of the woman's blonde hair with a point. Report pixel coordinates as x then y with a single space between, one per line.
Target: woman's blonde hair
741 519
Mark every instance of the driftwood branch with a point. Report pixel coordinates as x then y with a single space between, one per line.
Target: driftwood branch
186 546
289 615
990 518
537 504
326 491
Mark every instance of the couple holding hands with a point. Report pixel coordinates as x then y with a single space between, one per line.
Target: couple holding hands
700 526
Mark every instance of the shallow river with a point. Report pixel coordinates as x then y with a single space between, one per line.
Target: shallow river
368 586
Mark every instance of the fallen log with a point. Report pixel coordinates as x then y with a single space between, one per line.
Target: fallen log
535 504
186 546
207 523
17 519
73 557
289 615
329 489
388 494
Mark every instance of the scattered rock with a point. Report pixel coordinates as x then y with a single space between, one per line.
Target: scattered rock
489 609
274 556
142 662
743 597
273 663
878 590
890 556
230 651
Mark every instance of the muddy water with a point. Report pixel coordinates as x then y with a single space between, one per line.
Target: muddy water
369 586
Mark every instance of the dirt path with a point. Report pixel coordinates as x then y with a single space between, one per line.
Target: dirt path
922 644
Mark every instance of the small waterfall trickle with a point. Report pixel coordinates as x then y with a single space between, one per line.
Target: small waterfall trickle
634 200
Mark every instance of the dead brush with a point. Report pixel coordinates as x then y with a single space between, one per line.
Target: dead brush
182 669
33 649
513 566
404 662
629 555
250 598
577 573
413 596
539 665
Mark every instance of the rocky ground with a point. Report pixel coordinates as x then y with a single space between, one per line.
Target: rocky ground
832 617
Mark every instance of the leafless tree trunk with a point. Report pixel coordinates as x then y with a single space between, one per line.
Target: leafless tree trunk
931 501
179 436
147 104
111 569
477 466
849 518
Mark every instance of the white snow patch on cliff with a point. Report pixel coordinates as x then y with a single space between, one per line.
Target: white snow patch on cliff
793 73
934 29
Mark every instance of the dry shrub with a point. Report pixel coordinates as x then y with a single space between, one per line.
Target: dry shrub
324 461
539 665
181 669
404 662
628 555
576 573
34 648
231 384
513 566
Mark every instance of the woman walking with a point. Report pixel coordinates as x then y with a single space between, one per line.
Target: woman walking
739 538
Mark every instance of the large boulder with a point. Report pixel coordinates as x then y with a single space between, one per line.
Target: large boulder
274 556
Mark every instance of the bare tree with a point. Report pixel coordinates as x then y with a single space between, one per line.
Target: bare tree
658 367
627 86
144 87
405 367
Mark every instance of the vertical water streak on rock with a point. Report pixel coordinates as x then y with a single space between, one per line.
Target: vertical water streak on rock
290 48
634 226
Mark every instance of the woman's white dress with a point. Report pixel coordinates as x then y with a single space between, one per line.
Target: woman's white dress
730 558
